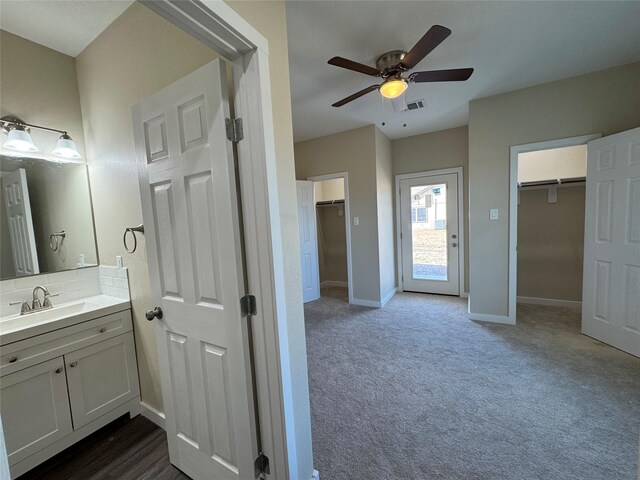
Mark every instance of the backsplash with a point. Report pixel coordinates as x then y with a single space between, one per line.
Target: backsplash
114 281
69 285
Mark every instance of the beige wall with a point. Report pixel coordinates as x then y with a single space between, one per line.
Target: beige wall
434 151
125 64
136 56
386 236
551 244
553 164
353 151
39 85
332 244
329 190
604 102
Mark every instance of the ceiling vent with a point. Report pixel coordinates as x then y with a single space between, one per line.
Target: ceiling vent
415 105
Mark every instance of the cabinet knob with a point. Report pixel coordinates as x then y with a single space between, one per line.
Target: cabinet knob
58 370
13 359
102 330
73 364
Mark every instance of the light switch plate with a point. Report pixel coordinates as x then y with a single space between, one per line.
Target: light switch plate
493 214
356 221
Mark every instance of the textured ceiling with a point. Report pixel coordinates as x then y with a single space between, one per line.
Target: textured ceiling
511 45
67 26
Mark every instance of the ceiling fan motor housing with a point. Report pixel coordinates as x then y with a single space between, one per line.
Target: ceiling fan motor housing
389 63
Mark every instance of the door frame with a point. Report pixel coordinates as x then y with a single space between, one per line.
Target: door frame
461 243
347 220
218 26
513 210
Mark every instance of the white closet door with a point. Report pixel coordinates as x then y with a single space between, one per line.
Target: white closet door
23 238
611 285
308 242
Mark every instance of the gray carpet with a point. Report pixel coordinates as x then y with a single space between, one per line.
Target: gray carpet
418 391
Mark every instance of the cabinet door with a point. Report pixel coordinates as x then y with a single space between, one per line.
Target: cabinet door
34 408
101 377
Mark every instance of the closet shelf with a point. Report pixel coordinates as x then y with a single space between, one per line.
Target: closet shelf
559 181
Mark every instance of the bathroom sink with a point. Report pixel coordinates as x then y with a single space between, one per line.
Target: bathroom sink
17 327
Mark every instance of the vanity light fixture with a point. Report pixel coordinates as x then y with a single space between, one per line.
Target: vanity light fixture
19 139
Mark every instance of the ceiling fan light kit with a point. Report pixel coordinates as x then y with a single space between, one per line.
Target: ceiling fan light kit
392 66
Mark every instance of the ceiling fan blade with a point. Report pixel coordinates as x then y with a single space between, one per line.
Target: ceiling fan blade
455 75
351 98
399 104
355 66
425 45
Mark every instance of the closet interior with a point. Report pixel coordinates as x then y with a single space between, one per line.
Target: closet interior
551 213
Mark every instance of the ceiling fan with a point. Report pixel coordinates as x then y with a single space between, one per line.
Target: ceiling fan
392 66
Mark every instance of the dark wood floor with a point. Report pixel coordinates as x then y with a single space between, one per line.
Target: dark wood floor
123 450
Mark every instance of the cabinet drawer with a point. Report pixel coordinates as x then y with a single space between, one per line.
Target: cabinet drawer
35 408
34 350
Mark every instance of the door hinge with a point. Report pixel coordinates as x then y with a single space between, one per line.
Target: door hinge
248 306
261 464
235 132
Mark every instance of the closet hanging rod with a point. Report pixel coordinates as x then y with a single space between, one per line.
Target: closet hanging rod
559 181
329 203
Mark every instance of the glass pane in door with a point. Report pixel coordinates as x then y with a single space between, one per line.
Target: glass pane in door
429 231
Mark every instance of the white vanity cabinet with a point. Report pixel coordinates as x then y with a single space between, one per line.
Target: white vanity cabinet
35 408
60 386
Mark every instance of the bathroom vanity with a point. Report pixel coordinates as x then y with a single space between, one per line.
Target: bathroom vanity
64 373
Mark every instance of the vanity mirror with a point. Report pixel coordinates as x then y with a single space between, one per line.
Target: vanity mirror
46 220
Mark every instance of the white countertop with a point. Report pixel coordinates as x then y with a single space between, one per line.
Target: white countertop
17 327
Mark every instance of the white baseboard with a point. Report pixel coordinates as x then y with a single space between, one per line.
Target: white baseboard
365 303
484 317
334 283
388 297
315 475
156 416
551 302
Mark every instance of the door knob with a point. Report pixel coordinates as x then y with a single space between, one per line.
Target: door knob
454 244
154 313
454 236
73 364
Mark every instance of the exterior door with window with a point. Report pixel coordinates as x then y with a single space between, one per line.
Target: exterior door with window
192 230
429 234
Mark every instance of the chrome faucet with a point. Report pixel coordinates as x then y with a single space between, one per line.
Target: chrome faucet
35 304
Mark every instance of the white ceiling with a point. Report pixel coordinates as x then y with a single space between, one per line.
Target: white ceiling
67 26
511 45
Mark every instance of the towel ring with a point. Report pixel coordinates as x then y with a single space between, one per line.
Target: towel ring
133 230
54 243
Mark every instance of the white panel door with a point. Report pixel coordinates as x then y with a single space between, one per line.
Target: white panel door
308 241
429 237
23 238
101 377
34 408
611 284
189 205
